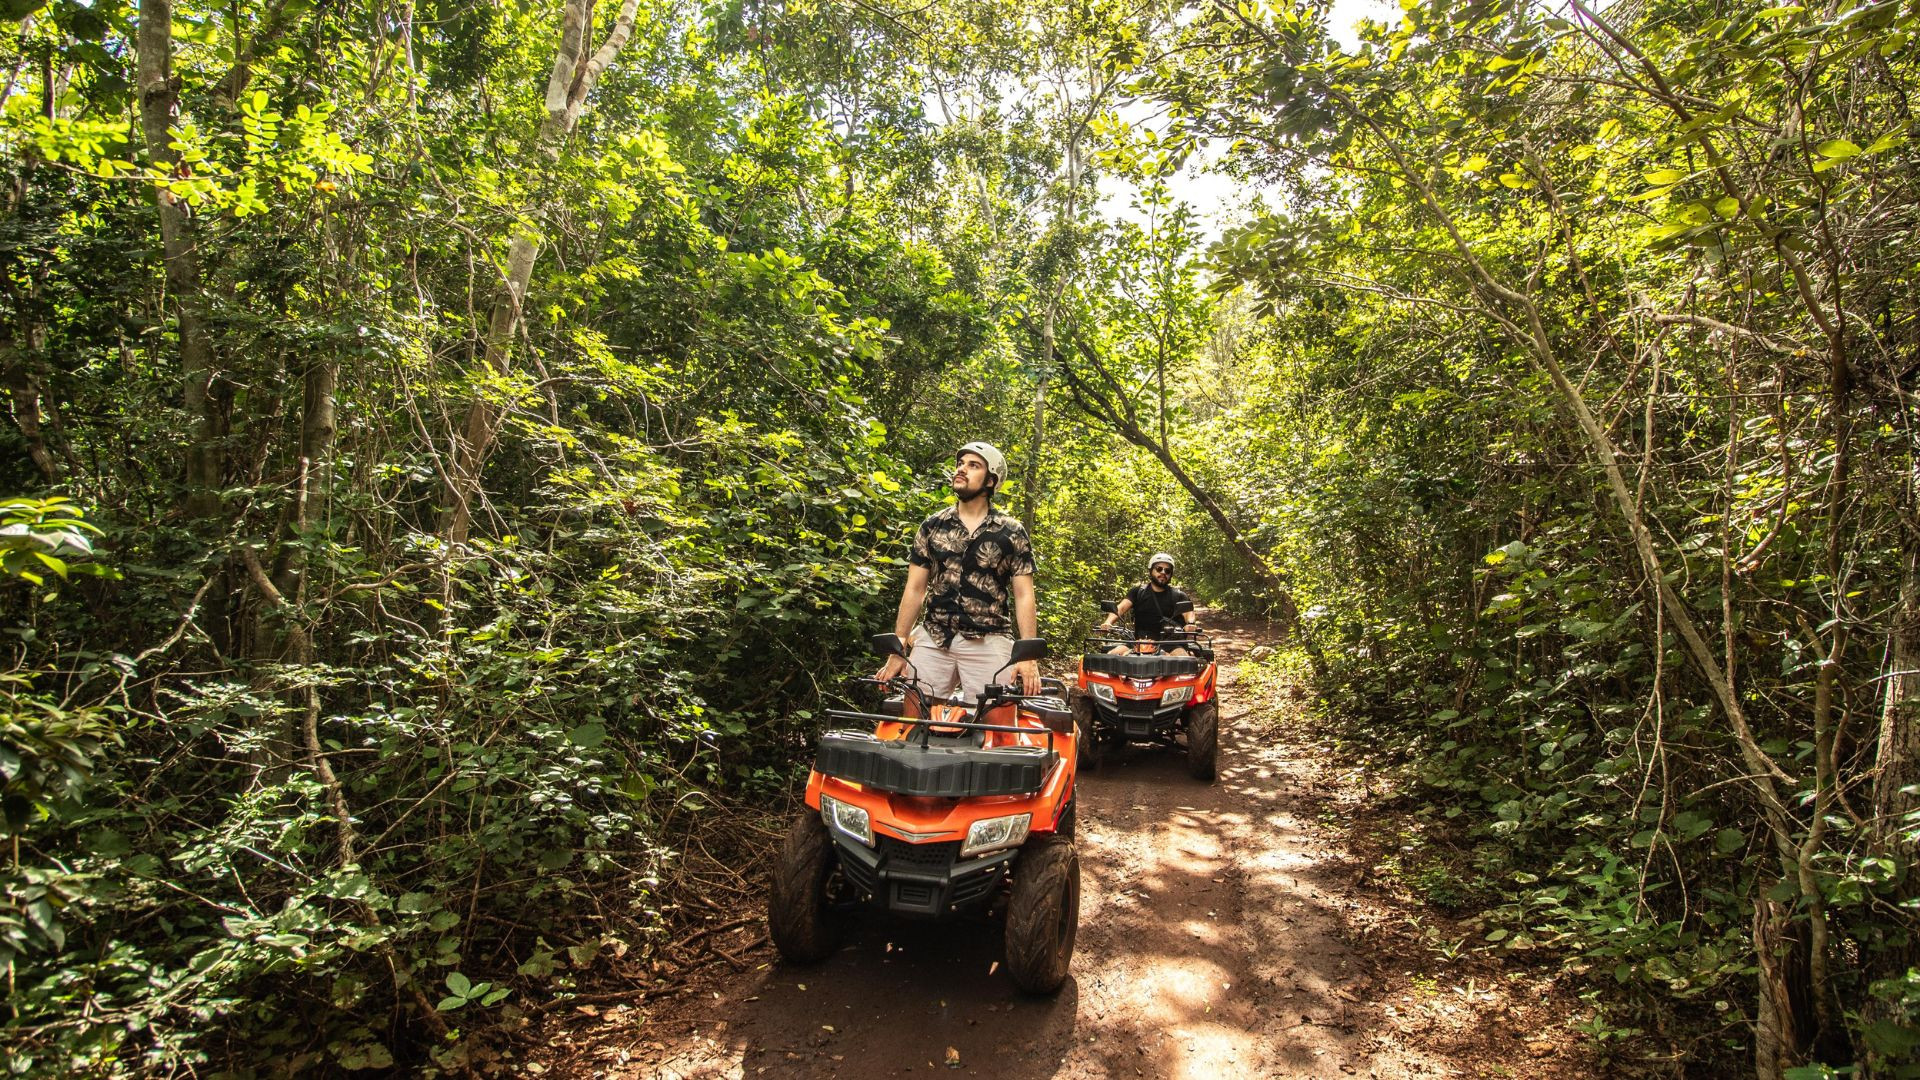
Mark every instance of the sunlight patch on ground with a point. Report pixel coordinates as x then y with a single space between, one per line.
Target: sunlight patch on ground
1210 1050
701 1058
1206 931
1181 990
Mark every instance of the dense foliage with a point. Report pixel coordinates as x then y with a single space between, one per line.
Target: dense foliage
458 446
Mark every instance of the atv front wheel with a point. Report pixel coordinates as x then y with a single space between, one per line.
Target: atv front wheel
1043 914
1203 740
1086 742
800 918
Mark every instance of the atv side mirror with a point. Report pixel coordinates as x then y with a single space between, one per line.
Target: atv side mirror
889 645
1028 648
1110 607
1183 606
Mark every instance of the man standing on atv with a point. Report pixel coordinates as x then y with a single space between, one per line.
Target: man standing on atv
1155 605
972 567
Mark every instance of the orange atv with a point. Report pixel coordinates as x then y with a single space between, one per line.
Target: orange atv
933 810
1149 694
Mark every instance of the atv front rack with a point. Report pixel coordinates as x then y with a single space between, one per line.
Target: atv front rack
1141 665
1199 643
909 768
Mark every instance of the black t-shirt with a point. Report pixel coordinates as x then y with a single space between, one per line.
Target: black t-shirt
1155 612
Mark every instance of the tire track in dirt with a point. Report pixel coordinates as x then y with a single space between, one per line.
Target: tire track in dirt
1213 942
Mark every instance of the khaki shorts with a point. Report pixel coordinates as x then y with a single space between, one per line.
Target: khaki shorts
967 663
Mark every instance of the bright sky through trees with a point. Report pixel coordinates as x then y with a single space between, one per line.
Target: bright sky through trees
1215 198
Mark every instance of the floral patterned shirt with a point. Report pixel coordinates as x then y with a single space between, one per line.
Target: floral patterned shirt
970 575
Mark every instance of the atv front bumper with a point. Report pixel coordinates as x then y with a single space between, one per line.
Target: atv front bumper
1139 718
928 881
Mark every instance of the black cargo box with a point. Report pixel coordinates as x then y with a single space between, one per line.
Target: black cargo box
938 771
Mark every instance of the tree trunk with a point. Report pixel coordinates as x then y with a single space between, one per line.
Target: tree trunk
1779 1029
575 72
177 246
1896 778
23 385
1030 491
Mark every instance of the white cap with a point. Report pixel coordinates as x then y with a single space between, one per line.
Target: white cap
1158 558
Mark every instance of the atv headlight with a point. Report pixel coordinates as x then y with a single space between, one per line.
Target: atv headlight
1177 695
1103 691
847 819
996 832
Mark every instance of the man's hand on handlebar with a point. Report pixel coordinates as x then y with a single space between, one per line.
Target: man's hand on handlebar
895 666
1027 674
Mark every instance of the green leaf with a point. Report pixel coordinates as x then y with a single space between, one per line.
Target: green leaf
1664 176
459 983
1838 148
1887 142
1893 1039
588 736
1691 825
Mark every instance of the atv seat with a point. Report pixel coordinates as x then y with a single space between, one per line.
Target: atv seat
1148 666
933 770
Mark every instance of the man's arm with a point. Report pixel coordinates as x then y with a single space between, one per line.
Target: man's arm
1120 611
1026 618
911 599
1025 607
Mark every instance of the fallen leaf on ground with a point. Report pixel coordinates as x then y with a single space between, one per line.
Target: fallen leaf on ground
953 1058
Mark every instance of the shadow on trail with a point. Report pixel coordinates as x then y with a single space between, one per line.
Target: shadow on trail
895 998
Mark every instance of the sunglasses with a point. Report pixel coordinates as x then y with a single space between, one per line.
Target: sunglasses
1162 570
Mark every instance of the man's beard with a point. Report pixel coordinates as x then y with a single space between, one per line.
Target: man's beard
969 494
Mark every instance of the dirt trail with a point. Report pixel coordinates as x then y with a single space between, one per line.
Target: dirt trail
1216 933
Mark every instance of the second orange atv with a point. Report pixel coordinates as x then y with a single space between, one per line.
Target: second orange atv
934 810
1149 694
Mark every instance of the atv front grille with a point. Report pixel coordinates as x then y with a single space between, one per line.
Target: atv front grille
901 855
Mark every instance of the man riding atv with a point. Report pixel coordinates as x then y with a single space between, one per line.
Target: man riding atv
1157 607
969 565
936 808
